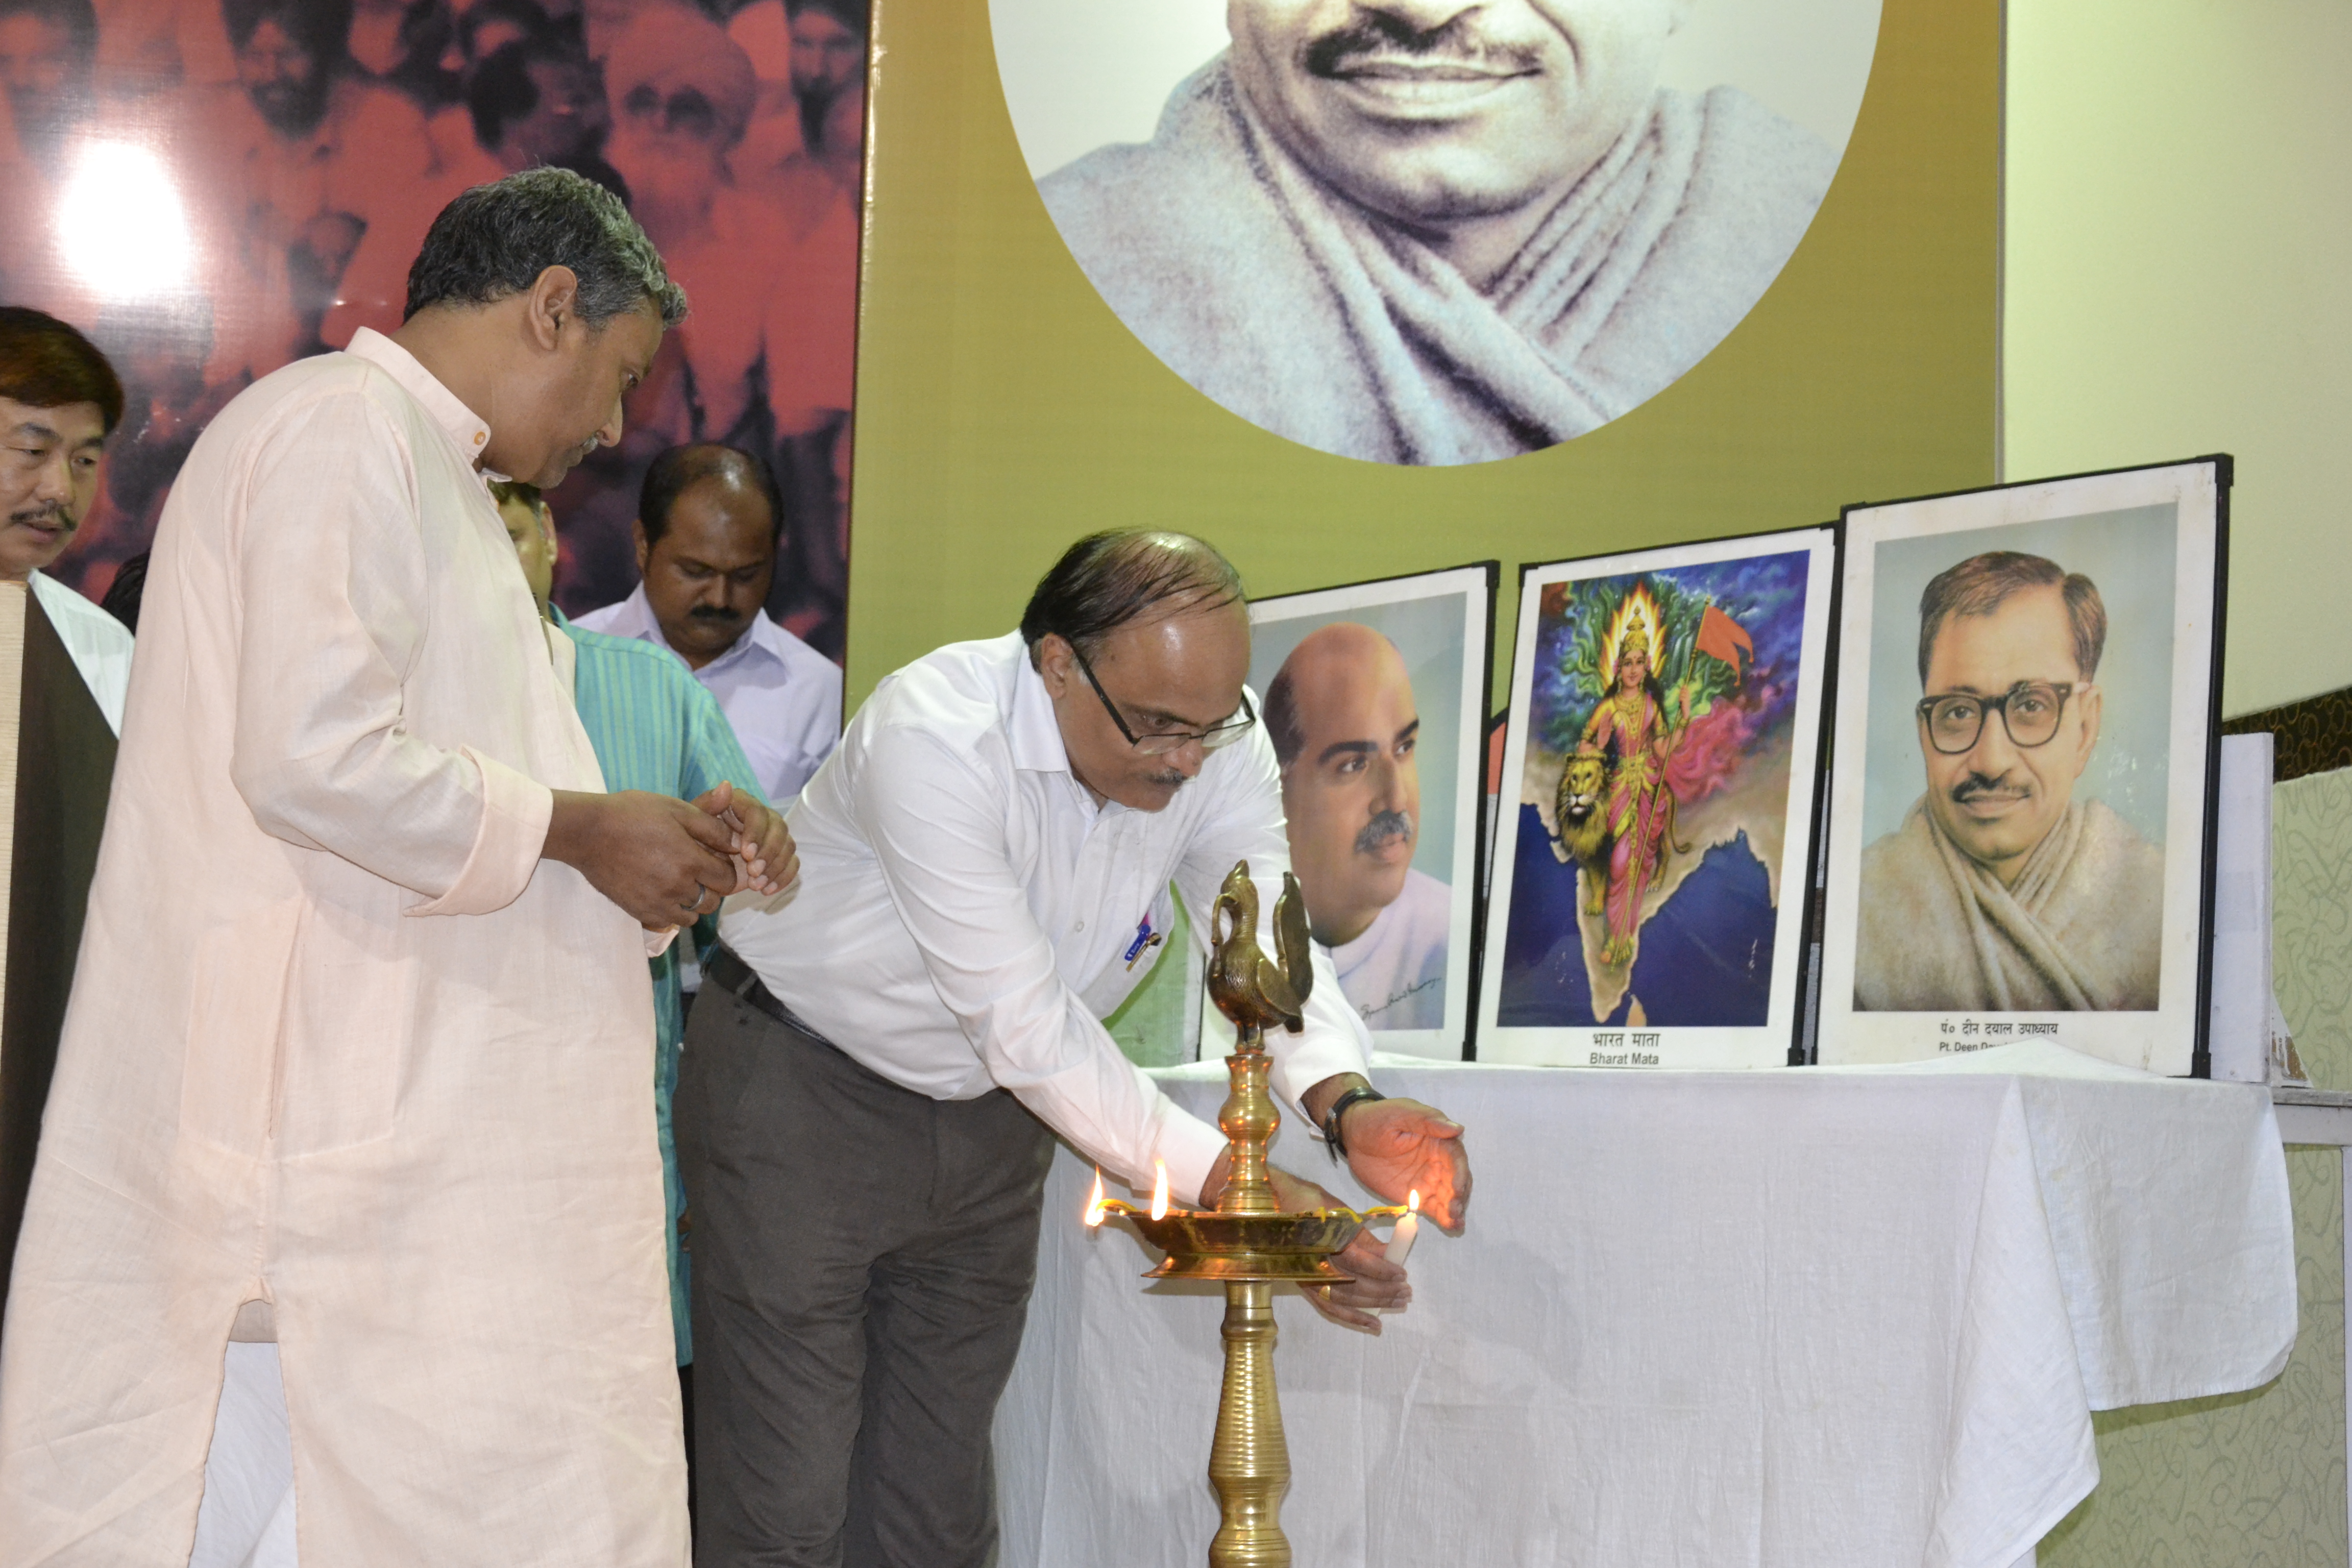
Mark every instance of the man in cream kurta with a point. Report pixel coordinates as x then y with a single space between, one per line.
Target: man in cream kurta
2001 891
1440 231
342 1041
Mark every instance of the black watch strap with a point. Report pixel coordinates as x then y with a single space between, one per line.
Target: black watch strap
1356 1095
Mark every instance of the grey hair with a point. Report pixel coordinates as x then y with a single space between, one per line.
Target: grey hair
494 240
1109 579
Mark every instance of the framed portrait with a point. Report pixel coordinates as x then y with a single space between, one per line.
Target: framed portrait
2022 805
1661 771
1292 206
1375 698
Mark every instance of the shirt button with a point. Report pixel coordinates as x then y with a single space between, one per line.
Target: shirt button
477 438
1081 926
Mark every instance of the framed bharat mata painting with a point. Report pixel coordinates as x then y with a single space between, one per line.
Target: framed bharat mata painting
2022 806
1374 696
1660 776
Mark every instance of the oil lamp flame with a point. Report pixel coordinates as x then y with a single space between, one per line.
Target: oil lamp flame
1095 1203
1159 1191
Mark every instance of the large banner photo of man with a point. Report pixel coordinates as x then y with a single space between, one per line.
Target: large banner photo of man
2018 842
1374 697
210 189
1424 231
1661 767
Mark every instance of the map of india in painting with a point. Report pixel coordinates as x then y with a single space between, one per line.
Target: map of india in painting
1654 799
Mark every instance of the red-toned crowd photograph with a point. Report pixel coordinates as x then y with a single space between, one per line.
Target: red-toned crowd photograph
213 188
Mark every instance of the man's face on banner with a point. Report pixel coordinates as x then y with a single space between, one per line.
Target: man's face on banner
46 80
286 80
377 44
1998 799
826 55
1442 111
569 119
1352 795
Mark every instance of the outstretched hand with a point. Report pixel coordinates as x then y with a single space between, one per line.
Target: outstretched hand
1398 1146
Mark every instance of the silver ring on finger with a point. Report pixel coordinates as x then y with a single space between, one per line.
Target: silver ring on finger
695 906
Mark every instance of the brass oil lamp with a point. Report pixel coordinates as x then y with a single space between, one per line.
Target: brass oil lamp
1248 1241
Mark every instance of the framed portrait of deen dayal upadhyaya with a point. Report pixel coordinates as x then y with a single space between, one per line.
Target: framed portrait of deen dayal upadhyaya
1660 794
1433 234
1374 697
2021 802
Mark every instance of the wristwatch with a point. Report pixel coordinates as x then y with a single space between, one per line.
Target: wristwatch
1357 1095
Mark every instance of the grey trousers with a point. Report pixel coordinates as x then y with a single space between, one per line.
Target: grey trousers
863 1257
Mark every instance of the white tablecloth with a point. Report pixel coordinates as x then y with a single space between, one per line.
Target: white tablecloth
1796 1319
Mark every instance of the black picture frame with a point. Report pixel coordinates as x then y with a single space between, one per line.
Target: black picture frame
1779 1038
1481 580
2171 1037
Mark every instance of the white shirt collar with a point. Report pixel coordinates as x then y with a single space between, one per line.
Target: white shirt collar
1031 730
762 635
464 426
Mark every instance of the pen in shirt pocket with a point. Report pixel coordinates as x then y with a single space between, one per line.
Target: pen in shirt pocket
1145 939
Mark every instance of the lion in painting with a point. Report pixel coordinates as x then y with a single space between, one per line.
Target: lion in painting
1583 827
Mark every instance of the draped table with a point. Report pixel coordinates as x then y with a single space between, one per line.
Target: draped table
1795 1319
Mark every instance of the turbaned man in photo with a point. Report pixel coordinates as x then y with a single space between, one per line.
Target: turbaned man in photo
1426 231
2001 891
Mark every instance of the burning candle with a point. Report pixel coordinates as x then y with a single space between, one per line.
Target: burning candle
1095 1203
1159 1191
1407 1228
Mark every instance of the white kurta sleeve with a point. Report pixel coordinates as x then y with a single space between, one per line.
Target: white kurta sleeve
1245 823
937 827
329 564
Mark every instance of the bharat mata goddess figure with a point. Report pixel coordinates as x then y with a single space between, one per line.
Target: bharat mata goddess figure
1615 812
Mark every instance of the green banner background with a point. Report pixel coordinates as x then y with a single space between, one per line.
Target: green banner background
1003 410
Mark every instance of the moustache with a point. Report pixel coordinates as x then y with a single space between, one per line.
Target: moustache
1457 42
1978 785
47 512
1171 779
1385 827
715 615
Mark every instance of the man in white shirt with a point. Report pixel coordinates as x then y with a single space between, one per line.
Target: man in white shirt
707 526
871 1088
1341 717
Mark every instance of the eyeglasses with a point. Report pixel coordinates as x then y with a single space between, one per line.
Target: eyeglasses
1161 742
2029 712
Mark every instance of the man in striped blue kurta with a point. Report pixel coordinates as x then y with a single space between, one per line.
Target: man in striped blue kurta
653 728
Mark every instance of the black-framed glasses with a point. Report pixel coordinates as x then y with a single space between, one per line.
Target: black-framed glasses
1162 741
2029 712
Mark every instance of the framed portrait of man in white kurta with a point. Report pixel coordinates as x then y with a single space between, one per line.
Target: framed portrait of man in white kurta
2026 745
1433 233
1375 696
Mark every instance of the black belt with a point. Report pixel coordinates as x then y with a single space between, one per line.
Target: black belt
730 974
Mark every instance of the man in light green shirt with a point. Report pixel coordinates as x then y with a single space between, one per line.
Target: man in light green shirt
653 728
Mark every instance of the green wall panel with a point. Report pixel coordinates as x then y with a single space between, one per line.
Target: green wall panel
2245 1481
